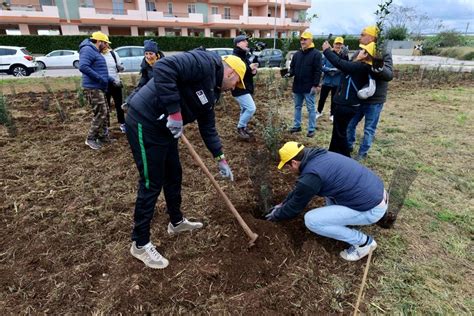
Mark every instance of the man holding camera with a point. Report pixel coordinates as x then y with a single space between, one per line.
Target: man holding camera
306 68
244 95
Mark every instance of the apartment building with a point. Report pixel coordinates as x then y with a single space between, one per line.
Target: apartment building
212 18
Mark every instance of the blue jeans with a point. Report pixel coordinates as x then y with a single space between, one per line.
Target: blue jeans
310 100
372 115
247 109
332 220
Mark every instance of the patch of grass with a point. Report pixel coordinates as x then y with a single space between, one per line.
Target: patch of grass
412 203
390 130
461 118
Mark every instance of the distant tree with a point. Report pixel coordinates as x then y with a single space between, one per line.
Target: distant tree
415 22
397 33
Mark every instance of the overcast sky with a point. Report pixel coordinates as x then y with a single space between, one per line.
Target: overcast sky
350 16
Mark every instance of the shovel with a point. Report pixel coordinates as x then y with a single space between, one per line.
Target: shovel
229 204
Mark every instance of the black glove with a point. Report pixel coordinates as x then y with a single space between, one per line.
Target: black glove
117 83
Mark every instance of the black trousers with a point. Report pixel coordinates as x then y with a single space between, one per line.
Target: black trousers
156 155
342 116
116 93
323 96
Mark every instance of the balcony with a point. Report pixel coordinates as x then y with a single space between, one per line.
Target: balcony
29 14
226 19
298 4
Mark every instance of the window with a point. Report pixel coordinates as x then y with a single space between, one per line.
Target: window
137 51
54 54
191 8
227 13
250 12
170 7
66 53
118 7
125 52
150 5
87 3
7 52
214 10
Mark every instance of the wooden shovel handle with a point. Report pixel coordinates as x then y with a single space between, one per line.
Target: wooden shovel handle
253 236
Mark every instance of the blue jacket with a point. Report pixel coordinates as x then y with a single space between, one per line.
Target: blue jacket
188 83
332 75
93 67
334 176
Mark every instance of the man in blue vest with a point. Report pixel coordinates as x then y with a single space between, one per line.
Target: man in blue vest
354 196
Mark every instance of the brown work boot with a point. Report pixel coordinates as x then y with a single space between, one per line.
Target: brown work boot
243 134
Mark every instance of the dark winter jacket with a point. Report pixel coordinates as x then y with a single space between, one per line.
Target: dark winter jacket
355 77
248 78
334 176
306 68
93 67
188 83
332 75
381 80
146 71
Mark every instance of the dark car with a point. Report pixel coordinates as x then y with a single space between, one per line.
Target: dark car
271 58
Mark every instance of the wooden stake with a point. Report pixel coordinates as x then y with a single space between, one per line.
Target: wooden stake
359 297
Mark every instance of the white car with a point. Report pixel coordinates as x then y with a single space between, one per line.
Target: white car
59 58
131 57
221 51
16 61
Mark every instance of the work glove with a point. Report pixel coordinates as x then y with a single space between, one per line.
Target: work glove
117 83
377 69
175 124
270 216
224 170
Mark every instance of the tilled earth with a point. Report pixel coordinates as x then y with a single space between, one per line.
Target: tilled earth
66 218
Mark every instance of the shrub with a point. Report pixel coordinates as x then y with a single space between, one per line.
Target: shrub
397 33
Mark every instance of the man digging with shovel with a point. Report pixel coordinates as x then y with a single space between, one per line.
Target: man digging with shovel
184 88
354 196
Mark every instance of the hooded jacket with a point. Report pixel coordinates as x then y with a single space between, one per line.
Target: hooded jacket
306 68
189 83
146 70
355 77
93 67
334 176
332 76
248 78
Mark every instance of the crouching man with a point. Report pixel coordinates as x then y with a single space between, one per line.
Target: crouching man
354 196
184 89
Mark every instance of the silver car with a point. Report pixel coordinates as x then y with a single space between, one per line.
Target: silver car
131 57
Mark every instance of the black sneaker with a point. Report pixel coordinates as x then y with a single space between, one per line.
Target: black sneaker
295 130
93 144
311 134
106 140
242 133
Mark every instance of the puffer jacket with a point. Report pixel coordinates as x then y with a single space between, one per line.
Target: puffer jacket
93 67
306 68
332 76
188 83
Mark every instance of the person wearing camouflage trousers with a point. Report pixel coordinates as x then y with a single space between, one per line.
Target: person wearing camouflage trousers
95 81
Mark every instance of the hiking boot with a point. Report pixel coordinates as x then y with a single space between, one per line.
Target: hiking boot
311 134
248 131
295 130
318 114
93 144
242 133
106 140
354 253
149 256
183 226
123 129
124 107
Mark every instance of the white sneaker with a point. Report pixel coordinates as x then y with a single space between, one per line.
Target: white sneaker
123 129
318 114
149 255
331 118
354 253
185 225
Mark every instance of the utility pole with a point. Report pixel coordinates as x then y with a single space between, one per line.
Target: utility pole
275 26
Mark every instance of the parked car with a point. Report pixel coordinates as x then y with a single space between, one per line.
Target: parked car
130 56
221 51
289 57
270 58
59 58
16 61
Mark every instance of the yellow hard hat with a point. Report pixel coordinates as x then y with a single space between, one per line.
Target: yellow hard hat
371 30
239 67
369 48
99 36
339 40
306 35
288 152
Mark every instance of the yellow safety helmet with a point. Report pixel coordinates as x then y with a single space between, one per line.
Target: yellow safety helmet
99 36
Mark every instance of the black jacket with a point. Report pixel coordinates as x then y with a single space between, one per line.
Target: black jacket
306 68
146 71
381 80
355 77
188 82
248 78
